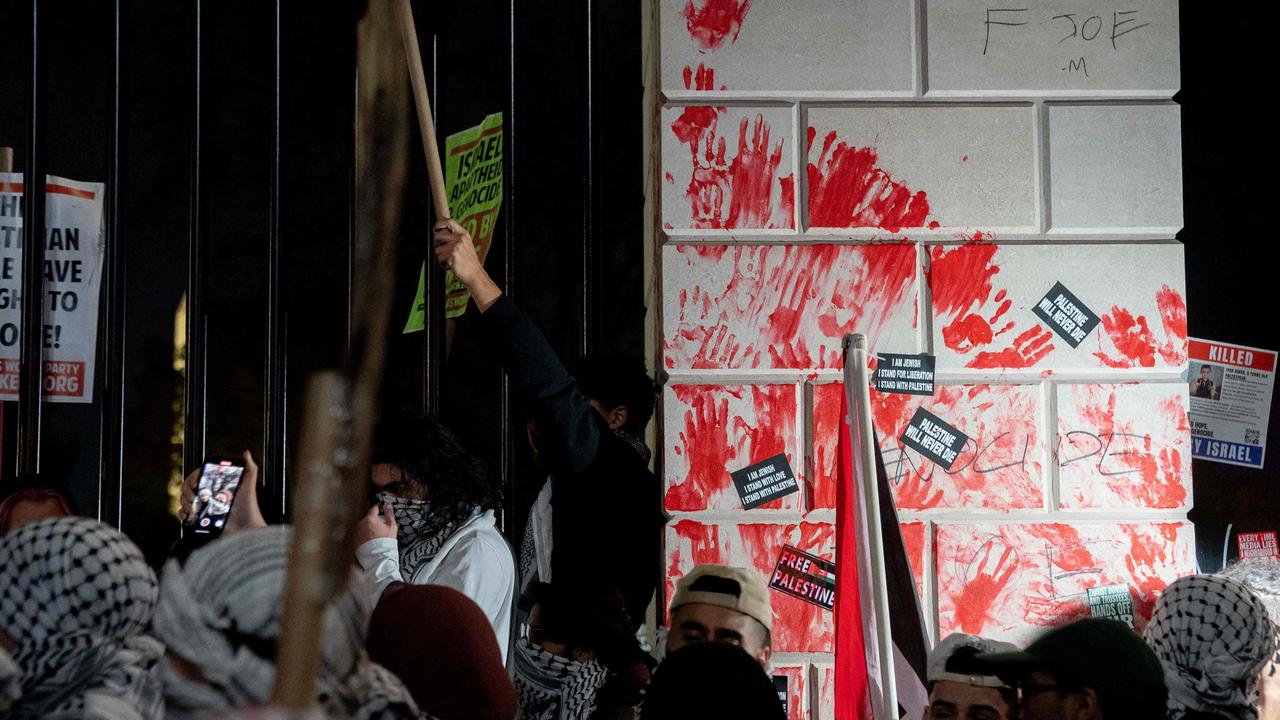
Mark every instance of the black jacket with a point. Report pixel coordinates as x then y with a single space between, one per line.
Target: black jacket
607 518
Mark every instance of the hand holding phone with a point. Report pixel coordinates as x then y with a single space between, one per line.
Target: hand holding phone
215 493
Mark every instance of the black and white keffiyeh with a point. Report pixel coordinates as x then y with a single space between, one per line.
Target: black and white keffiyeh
555 688
420 532
221 612
10 682
76 596
1212 636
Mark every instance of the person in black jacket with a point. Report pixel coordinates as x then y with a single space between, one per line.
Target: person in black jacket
599 519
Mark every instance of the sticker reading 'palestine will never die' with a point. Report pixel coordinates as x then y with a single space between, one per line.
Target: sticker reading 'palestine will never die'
764 481
929 435
805 576
1066 315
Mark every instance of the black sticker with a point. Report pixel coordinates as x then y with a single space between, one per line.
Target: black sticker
934 438
765 481
780 687
907 374
1066 315
805 576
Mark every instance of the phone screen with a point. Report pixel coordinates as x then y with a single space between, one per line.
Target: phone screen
215 492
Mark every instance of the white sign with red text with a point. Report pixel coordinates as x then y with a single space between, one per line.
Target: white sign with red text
1230 388
72 276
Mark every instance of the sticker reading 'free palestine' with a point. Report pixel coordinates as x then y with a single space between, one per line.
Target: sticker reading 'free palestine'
765 481
1066 315
805 576
934 438
907 374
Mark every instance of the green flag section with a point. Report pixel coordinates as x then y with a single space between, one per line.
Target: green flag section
473 181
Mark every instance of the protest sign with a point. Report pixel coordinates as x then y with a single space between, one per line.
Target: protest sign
1066 315
934 438
1111 601
473 179
1230 387
72 264
906 374
804 576
764 481
1257 545
780 687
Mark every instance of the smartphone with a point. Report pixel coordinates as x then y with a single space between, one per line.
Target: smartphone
215 493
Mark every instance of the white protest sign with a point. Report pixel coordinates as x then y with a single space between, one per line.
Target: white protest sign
72 276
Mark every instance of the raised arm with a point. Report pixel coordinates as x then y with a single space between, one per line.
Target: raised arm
532 364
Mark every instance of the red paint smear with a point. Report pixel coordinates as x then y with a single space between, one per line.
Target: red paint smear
704 544
715 21
775 422
826 426
1136 343
1147 553
797 625
706 446
770 297
996 564
913 543
1027 350
848 189
1132 468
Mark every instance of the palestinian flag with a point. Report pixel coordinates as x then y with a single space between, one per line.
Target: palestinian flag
876 584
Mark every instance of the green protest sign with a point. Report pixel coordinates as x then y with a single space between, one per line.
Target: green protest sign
473 181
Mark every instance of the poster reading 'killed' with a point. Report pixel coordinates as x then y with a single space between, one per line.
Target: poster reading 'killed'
72 264
1230 387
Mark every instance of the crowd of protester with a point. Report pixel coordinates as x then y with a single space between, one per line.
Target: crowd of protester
441 618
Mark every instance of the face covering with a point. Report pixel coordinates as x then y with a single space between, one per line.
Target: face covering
420 533
555 688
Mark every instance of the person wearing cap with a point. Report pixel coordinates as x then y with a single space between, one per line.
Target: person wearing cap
720 603
967 696
1091 669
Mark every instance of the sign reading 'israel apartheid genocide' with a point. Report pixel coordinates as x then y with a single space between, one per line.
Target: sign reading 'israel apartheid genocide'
69 299
1114 602
934 438
1066 315
473 181
805 576
764 481
1257 545
906 374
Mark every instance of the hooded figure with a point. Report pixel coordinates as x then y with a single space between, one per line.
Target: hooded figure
1212 636
76 597
219 615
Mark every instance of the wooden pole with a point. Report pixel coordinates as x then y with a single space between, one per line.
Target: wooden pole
342 407
422 101
6 159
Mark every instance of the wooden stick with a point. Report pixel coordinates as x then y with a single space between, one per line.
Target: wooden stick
6 159
342 406
422 101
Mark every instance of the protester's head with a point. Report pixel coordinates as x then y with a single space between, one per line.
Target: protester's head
76 597
1262 576
1213 636
440 643
32 504
619 388
711 680
219 615
430 478
719 603
967 696
1090 669
579 622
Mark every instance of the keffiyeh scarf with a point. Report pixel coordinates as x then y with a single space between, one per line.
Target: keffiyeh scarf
420 532
1212 636
221 612
76 595
555 688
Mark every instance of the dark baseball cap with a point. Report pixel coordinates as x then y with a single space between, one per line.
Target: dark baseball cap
1096 653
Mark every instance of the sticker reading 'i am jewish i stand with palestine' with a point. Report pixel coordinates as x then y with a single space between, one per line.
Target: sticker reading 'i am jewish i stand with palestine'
1066 315
932 437
906 374
765 481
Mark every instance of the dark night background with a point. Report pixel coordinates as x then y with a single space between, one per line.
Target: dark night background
567 75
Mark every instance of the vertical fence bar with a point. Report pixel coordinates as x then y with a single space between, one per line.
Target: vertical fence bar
111 419
587 334
274 442
31 340
194 392
433 334
505 406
